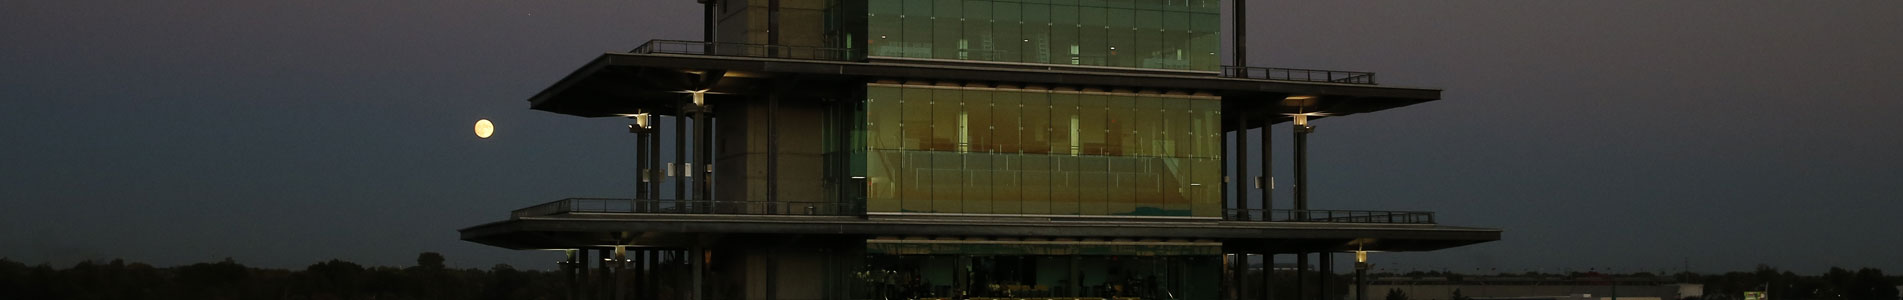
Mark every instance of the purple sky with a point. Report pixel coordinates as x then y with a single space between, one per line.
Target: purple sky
1631 135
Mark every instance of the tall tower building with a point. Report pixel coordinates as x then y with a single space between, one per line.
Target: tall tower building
963 149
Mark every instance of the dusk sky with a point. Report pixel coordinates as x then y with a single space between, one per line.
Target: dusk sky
1622 135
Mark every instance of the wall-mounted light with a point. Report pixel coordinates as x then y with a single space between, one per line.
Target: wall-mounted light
700 97
1301 120
1361 256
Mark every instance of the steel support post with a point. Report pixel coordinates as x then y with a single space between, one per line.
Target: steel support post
701 157
696 260
604 281
680 159
1242 168
1302 129
1268 266
1361 280
1301 274
1242 41
773 145
568 269
654 160
1237 268
1327 261
1268 171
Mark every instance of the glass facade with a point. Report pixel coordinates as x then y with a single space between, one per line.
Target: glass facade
1034 151
1155 34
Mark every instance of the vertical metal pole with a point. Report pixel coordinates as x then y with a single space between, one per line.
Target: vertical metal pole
1268 265
604 277
773 146
1237 269
1268 171
586 274
1242 44
772 274
707 20
1327 273
654 161
1242 179
680 157
640 165
1361 280
1301 166
697 262
574 281
1301 274
701 157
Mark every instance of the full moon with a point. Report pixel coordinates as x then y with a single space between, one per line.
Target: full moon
484 128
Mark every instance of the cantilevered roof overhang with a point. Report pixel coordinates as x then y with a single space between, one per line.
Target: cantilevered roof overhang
617 84
569 230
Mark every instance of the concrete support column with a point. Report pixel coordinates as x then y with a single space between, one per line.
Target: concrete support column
604 274
1242 41
654 161
773 146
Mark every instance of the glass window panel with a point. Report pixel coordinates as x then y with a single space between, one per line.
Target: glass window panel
1007 31
1006 192
1122 188
978 183
918 28
885 28
948 180
1148 42
1177 36
978 34
1064 182
1148 108
1206 42
1121 139
1036 184
948 39
1121 33
1183 120
1036 120
916 105
1064 123
1172 181
1148 185
882 119
1063 47
1005 111
1205 201
915 192
1038 43
883 177
978 124
1091 35
1209 123
946 116
1093 184
1092 111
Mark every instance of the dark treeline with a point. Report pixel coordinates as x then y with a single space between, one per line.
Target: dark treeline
430 279
334 279
1835 284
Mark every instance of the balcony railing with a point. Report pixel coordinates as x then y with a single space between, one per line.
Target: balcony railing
611 205
1330 216
1329 76
747 50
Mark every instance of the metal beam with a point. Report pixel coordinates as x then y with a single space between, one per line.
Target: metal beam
1242 167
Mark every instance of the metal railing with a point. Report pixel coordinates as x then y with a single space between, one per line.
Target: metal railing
748 50
1330 76
1330 216
612 205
